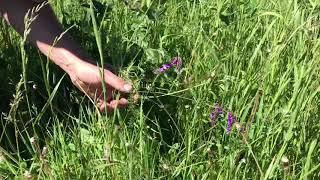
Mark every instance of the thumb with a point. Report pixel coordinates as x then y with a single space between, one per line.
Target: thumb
117 82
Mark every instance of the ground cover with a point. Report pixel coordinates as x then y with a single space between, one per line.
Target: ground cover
243 105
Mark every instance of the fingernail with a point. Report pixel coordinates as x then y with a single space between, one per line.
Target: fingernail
127 87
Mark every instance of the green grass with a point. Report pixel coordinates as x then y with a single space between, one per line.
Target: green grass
258 59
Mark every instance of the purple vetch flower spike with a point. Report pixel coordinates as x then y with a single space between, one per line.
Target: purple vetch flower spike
163 68
215 114
230 122
213 118
176 61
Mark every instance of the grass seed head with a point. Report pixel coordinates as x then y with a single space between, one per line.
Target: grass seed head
2 158
285 163
27 175
136 98
44 151
32 140
240 127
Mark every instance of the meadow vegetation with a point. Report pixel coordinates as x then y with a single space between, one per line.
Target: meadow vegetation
258 59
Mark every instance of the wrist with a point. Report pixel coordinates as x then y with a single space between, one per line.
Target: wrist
68 61
67 58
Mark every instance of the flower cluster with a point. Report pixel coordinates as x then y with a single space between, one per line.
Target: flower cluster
175 62
230 122
217 112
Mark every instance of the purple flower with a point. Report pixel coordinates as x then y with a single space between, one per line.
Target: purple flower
230 122
176 61
163 68
215 114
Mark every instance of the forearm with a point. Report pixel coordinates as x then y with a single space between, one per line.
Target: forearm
66 53
45 30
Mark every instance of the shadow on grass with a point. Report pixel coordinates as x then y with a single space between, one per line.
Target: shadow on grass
161 110
161 117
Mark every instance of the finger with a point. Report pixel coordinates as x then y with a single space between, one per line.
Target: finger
114 104
97 93
117 82
104 97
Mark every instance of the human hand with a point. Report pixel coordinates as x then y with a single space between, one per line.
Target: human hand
88 78
46 33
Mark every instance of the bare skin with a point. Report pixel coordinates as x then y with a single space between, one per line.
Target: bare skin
66 53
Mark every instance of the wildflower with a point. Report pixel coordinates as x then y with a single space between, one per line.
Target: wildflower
215 114
230 122
165 67
176 61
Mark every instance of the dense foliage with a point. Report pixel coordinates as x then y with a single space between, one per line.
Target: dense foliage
256 59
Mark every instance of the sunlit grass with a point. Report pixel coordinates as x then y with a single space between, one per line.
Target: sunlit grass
257 59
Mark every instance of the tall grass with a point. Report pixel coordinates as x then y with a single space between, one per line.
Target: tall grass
257 59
